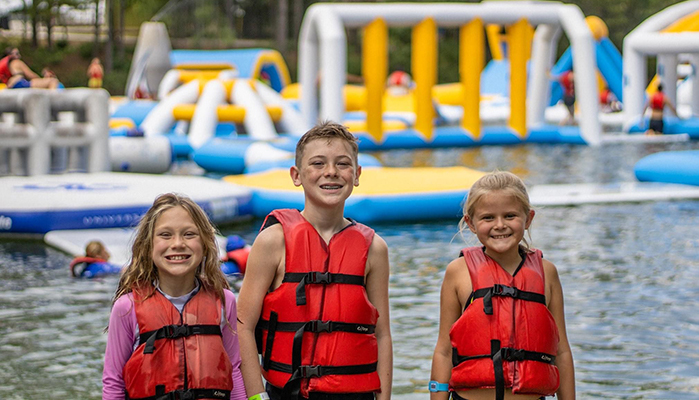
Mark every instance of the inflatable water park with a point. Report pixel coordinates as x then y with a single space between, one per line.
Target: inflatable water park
78 159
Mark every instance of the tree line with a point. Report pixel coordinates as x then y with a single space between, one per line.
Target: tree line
226 22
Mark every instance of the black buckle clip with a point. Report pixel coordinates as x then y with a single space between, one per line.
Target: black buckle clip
176 331
318 277
502 290
510 354
181 394
310 371
320 326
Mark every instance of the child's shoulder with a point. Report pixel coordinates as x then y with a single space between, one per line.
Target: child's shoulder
550 271
456 269
548 265
378 243
272 235
457 264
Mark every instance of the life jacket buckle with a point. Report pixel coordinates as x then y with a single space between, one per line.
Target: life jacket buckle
310 371
318 277
182 394
510 354
176 331
502 290
318 326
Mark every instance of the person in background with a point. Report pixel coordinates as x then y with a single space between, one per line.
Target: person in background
608 101
95 73
399 83
657 103
314 299
17 75
171 332
95 263
567 81
502 332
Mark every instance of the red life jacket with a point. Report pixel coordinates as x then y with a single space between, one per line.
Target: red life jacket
507 337
567 83
5 73
605 96
316 330
657 101
178 354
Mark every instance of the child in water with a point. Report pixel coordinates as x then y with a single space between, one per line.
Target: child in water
94 263
502 329
172 327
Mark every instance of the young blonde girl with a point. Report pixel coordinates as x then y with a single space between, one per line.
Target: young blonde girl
502 329
172 326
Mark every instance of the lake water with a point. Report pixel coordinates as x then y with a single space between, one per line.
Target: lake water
630 275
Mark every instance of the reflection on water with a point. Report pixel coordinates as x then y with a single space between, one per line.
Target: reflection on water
630 274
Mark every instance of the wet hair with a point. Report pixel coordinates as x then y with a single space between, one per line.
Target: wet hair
327 130
94 249
141 270
503 181
660 87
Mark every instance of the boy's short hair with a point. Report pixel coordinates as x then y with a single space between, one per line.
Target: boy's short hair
326 130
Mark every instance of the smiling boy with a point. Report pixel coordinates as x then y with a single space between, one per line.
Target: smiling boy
314 301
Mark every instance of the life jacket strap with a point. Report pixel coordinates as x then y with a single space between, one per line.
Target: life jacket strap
507 354
185 394
500 355
293 385
272 326
315 277
318 326
506 291
174 332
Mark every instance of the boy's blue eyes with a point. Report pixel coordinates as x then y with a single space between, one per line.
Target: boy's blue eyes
321 163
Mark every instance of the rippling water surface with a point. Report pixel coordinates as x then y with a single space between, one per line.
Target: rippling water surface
630 274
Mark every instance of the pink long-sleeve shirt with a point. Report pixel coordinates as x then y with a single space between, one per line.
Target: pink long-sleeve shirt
122 339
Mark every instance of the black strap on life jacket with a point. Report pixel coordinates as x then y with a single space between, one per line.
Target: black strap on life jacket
175 331
293 385
185 394
499 355
508 291
297 370
318 277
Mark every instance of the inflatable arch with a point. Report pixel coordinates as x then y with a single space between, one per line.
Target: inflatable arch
323 46
653 38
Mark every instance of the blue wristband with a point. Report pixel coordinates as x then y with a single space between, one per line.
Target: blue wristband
435 386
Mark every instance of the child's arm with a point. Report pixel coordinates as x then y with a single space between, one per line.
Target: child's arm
450 308
265 257
121 337
377 293
230 343
564 358
26 71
